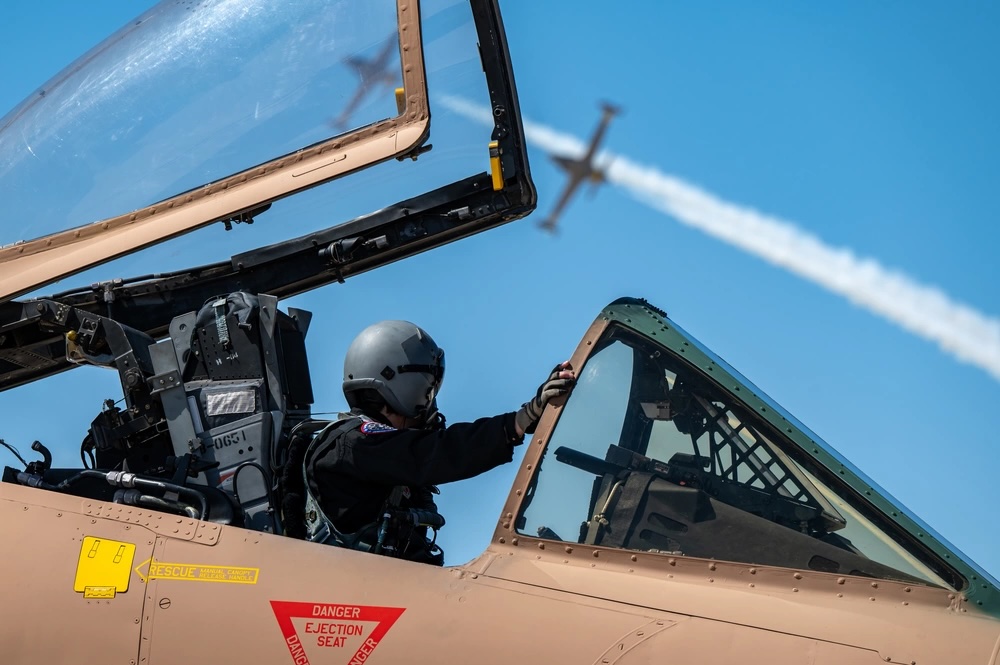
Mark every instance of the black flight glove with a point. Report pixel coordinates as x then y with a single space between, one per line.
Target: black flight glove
560 382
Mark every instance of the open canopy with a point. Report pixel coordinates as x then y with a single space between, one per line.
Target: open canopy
197 116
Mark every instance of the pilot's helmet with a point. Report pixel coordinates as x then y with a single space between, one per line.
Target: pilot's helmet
400 362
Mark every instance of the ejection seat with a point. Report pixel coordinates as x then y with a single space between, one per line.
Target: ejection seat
233 381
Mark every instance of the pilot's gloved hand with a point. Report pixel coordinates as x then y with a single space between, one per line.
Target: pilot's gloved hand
560 382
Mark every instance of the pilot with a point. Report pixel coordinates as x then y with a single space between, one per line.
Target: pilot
370 475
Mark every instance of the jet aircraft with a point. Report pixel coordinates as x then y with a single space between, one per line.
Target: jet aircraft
669 510
374 74
581 169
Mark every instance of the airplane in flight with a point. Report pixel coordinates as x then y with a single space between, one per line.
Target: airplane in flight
666 510
581 169
373 73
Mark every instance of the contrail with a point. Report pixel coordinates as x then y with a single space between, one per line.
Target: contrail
927 311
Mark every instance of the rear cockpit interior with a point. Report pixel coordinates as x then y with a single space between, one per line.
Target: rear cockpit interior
201 429
650 456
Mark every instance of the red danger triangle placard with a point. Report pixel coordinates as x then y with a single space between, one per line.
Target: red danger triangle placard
349 631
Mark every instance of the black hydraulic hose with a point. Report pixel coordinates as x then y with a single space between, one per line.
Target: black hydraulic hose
128 480
46 455
180 490
86 473
134 497
33 481
157 502
267 489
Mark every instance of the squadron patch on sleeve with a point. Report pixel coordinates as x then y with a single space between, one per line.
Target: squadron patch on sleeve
372 427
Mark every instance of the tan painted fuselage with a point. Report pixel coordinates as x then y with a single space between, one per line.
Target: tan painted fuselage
198 592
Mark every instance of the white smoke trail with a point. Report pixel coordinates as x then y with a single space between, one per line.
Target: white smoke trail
960 330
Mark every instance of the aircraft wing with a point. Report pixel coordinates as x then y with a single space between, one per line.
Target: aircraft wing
549 223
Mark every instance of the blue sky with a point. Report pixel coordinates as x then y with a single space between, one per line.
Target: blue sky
868 126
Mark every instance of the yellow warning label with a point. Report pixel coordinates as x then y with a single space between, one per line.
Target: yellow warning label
104 564
160 570
99 592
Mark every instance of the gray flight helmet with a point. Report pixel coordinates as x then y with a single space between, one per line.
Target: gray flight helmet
400 362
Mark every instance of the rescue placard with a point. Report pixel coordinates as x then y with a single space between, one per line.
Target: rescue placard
104 567
190 572
351 630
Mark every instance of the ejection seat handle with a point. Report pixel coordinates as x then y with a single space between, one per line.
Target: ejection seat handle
604 506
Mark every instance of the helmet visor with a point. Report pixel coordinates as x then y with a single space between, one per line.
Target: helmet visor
435 372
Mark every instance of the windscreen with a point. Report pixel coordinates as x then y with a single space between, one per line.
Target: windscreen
187 94
648 456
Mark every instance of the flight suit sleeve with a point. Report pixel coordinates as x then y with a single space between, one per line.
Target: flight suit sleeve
423 457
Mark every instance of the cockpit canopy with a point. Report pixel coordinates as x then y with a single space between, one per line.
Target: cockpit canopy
662 448
213 111
214 147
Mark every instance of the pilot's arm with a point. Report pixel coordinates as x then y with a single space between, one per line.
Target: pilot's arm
380 454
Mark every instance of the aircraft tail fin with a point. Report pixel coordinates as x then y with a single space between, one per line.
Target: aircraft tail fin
548 225
609 109
358 64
